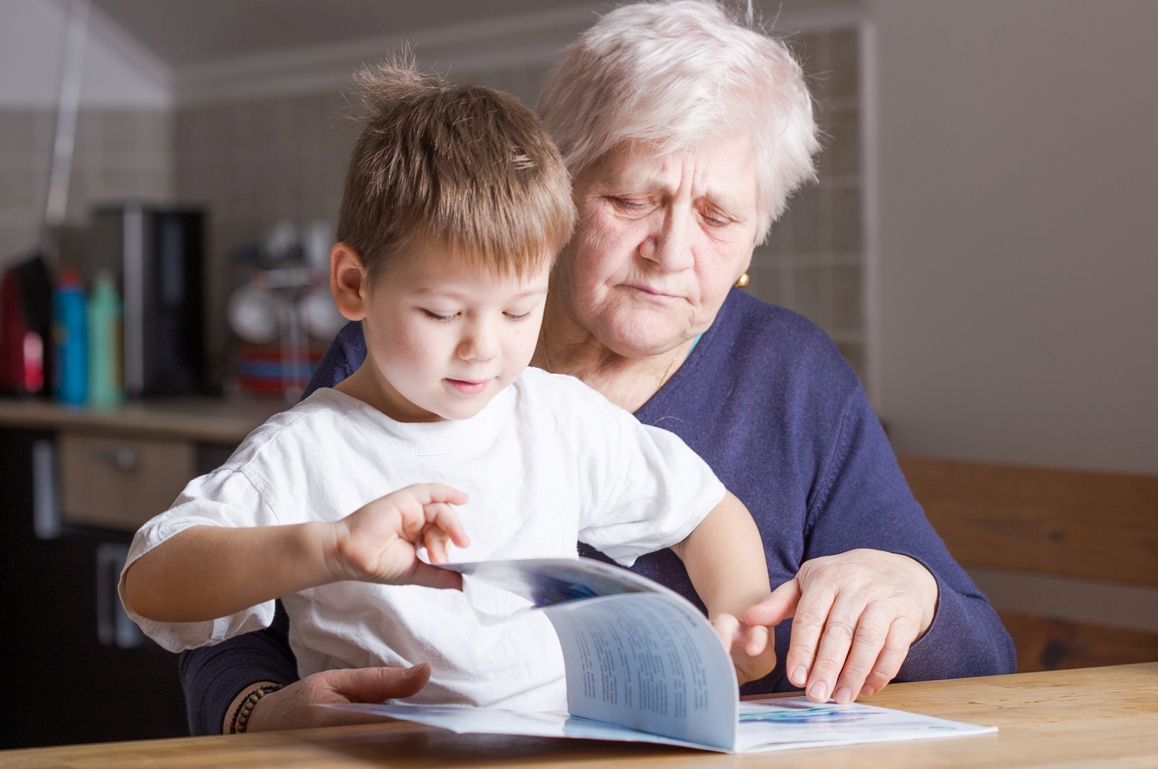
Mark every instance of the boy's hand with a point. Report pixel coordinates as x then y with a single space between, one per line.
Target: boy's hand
751 647
379 542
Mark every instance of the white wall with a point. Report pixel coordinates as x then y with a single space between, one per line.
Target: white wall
1018 230
118 71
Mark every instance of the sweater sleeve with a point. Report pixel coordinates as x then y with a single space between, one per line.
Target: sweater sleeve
863 500
212 676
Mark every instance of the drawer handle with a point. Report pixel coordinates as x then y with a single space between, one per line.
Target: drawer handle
124 458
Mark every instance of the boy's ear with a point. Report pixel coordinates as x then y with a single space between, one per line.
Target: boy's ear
348 282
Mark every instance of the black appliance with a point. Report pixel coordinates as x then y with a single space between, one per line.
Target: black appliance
157 254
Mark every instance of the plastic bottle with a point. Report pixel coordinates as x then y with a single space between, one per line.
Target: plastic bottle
70 339
104 344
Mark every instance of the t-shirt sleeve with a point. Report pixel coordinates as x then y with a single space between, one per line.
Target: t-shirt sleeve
650 490
202 503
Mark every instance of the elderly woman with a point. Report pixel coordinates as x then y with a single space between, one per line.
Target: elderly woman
685 133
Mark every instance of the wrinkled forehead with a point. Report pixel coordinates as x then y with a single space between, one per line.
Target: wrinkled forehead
721 169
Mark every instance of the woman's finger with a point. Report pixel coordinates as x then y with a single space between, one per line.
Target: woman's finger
902 633
808 625
872 629
295 706
778 606
833 647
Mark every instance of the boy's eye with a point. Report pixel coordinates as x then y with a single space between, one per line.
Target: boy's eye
517 316
441 318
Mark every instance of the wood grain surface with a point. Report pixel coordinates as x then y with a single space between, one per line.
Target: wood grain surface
1053 644
1075 523
1094 717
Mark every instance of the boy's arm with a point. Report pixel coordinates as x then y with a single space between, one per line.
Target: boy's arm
724 557
206 572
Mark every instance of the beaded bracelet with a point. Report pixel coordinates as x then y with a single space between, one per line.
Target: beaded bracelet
241 715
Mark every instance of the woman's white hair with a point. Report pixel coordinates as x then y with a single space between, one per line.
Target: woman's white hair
677 74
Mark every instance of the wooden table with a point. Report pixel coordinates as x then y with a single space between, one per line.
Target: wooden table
1095 717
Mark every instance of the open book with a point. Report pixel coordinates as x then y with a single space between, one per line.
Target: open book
644 665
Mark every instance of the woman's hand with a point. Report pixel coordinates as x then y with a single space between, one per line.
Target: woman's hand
294 707
750 646
855 616
379 542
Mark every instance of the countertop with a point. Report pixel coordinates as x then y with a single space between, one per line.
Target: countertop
208 420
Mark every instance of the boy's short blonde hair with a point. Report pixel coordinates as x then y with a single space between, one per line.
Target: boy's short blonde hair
463 167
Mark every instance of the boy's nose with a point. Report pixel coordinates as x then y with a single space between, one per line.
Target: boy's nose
479 344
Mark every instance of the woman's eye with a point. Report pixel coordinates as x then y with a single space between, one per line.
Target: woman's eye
714 219
517 316
440 318
628 205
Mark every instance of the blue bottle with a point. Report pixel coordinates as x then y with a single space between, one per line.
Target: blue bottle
70 339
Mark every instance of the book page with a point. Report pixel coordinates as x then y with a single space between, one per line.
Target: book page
636 654
795 722
644 665
649 662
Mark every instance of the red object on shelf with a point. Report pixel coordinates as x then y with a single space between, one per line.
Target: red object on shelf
25 310
271 370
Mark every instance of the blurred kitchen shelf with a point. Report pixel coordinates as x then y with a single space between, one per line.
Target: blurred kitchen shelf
210 420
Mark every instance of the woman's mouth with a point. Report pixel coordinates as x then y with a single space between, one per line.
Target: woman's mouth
650 291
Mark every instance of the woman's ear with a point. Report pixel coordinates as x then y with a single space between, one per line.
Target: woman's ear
348 282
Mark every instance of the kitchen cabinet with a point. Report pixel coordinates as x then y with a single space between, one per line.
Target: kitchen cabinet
74 485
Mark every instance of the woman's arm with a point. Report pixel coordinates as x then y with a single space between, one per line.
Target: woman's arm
878 595
215 678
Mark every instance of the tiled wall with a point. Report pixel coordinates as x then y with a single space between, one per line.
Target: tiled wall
251 164
813 260
120 154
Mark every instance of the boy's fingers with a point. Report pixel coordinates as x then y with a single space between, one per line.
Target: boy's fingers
435 541
432 576
757 640
431 493
445 518
727 627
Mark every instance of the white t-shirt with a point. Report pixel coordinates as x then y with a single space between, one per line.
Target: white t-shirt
547 463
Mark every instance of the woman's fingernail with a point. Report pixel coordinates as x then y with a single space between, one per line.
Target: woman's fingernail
818 691
843 695
799 675
412 670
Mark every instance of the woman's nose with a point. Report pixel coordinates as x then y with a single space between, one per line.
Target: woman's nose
669 244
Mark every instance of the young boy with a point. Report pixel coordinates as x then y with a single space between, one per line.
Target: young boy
455 204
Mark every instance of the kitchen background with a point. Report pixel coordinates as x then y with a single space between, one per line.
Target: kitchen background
981 244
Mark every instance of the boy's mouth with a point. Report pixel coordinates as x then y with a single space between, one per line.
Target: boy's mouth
468 387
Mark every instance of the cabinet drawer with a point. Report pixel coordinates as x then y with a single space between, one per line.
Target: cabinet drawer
121 483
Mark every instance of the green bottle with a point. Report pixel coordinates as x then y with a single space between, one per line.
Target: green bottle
104 344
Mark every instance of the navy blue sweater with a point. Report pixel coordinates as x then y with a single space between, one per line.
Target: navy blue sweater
767 401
